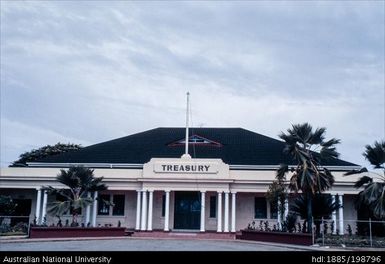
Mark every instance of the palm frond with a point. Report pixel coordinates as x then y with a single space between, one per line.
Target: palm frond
363 181
330 142
376 154
322 204
352 172
326 180
289 139
106 202
303 132
281 172
61 192
67 178
329 153
294 182
58 208
81 203
318 136
379 205
372 192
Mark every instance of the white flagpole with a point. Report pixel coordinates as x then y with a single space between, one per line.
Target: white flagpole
187 114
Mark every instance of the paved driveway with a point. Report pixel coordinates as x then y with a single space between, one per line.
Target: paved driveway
140 244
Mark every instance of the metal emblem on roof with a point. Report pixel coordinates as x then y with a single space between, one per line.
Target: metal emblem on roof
196 140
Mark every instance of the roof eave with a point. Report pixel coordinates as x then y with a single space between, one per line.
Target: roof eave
140 166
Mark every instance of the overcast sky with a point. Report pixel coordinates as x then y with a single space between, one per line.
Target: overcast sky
90 71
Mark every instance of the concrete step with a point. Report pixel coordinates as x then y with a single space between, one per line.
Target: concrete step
184 235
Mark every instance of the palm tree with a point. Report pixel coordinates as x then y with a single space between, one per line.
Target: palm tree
372 196
79 181
308 175
323 207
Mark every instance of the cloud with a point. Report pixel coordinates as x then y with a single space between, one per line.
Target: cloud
17 138
93 71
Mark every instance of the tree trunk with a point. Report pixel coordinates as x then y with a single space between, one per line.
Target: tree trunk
309 213
74 218
317 228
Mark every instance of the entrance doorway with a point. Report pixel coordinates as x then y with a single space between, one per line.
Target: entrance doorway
187 210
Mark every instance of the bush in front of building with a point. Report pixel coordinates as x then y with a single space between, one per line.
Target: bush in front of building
80 184
350 241
323 207
9 223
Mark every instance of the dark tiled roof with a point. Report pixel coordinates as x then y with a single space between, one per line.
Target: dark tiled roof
237 147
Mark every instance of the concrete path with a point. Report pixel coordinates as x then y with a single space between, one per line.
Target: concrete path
142 244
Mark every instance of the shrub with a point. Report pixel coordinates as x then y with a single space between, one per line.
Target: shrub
5 228
325 227
299 227
21 227
350 231
304 227
289 224
266 225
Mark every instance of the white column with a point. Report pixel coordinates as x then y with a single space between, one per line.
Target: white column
341 214
95 209
144 210
219 214
167 211
150 198
137 226
278 214
334 216
38 204
44 209
203 201
88 211
226 227
286 212
233 210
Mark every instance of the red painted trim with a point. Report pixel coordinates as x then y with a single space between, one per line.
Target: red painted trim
56 232
277 237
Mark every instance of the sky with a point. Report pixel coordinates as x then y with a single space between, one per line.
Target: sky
90 71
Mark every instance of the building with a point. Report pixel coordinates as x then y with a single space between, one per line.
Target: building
220 188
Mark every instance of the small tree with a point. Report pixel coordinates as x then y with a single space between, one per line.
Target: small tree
79 181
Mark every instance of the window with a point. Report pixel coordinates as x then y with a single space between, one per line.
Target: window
163 205
260 208
118 201
274 210
213 206
103 208
23 207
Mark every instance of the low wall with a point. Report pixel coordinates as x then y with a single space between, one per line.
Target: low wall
277 237
53 232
